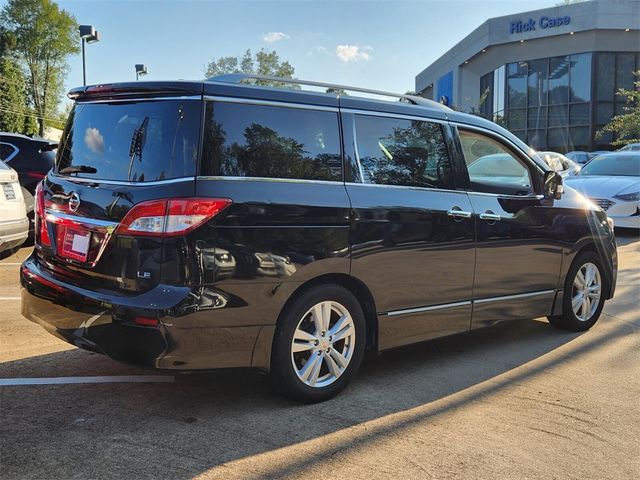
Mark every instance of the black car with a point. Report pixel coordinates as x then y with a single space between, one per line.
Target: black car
31 157
215 224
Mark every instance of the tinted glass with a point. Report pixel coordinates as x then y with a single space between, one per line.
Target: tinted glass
621 164
517 84
579 114
537 117
492 167
131 141
558 115
559 80
537 82
273 142
6 151
402 152
517 118
624 72
580 77
605 66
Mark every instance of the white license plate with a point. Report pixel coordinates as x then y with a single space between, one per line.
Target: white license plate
9 193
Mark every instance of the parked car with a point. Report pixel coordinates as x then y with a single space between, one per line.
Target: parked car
31 157
14 225
634 147
560 163
612 181
343 224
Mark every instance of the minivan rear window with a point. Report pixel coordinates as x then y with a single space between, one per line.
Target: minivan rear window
133 141
243 140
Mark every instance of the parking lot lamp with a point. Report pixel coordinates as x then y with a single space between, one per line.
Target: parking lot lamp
88 34
141 70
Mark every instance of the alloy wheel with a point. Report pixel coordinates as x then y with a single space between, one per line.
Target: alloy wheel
323 344
587 288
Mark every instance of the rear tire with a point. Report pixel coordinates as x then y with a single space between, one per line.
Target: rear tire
318 344
583 298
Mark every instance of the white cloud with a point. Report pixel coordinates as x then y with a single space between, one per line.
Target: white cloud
274 36
94 140
352 53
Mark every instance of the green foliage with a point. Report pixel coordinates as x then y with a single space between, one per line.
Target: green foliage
337 91
626 127
264 63
12 96
44 36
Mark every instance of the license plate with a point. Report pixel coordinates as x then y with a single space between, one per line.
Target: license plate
9 193
75 244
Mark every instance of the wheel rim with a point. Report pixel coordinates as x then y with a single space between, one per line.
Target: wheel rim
323 344
587 288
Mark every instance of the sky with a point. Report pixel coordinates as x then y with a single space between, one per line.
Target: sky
373 44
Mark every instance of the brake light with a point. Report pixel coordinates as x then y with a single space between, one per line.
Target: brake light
42 233
146 321
170 217
38 175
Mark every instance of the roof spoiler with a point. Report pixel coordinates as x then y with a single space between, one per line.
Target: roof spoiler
136 88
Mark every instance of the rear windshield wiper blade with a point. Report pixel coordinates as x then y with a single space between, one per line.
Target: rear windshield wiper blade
78 169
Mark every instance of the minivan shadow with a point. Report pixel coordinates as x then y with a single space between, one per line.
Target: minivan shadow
183 429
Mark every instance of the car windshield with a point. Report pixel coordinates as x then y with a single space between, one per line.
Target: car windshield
616 165
131 141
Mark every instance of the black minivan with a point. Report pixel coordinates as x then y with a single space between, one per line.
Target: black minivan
217 224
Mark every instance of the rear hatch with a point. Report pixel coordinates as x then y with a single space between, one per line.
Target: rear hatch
12 206
102 212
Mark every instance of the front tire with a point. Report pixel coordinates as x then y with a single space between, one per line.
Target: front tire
318 345
583 298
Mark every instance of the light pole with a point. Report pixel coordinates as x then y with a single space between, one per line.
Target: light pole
90 35
141 70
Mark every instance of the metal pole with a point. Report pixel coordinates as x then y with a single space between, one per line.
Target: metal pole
84 70
136 75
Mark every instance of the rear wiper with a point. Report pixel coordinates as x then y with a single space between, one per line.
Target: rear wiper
138 140
78 169
49 147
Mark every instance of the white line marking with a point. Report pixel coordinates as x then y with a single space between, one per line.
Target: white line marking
9 298
9 264
5 382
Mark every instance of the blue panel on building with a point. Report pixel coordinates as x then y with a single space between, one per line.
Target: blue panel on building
445 89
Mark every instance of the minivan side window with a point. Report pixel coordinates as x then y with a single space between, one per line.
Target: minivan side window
492 167
401 152
244 140
6 151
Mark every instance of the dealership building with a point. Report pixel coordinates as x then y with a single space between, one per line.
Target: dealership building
550 76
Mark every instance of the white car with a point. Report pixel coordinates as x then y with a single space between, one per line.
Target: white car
14 225
560 163
612 181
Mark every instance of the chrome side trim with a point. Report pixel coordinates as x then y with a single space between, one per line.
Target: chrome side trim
402 116
122 182
142 99
271 103
83 220
514 297
430 308
404 187
269 179
16 150
394 313
502 195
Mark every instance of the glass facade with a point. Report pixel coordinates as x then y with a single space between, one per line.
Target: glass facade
559 103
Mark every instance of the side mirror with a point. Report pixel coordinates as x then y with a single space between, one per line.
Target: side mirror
553 188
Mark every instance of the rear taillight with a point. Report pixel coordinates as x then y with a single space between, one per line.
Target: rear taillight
170 217
42 233
38 175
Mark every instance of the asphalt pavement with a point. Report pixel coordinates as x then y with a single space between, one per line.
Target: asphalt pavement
520 400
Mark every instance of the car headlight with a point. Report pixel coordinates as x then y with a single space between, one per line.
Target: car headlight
629 197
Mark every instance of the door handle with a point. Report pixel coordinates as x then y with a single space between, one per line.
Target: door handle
490 216
457 212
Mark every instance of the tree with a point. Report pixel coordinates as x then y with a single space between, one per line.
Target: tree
44 36
626 127
12 96
264 63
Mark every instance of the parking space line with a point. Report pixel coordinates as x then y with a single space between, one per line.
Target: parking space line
9 298
6 382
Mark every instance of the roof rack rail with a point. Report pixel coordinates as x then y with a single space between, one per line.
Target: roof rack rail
239 77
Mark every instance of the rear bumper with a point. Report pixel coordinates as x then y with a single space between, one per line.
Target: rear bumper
13 233
187 337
